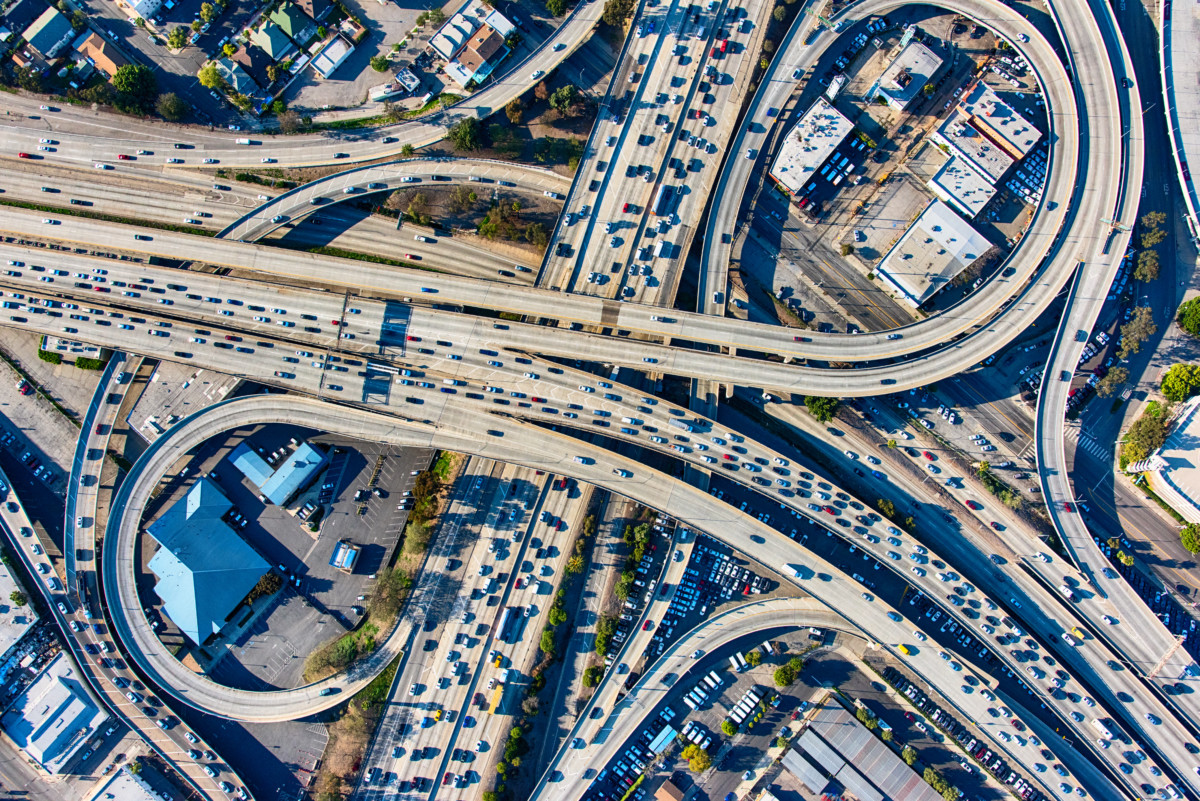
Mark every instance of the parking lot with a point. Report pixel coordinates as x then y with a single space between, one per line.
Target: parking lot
319 601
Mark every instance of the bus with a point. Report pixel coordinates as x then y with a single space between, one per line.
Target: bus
508 623
662 201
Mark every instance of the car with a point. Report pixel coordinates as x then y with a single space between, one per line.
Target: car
533 77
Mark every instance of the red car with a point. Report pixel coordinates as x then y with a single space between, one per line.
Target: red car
625 208
731 457
412 257
413 339
973 505
1016 724
995 525
446 779
561 484
1067 507
24 155
830 510
123 157
649 624
928 455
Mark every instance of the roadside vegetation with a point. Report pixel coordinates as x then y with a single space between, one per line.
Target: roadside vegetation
350 730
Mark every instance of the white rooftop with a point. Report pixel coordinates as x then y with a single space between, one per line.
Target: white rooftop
962 186
998 121
907 75
124 786
935 248
55 716
1176 465
814 138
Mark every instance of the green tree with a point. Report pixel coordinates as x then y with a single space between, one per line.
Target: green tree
229 49
1145 436
547 642
1112 381
50 356
465 134
697 758
407 151
823 409
779 13
210 77
616 12
864 715
1181 382
592 675
727 728
891 443
574 565
1139 328
1188 316
171 107
563 98
847 248
934 779
78 20
490 795
18 598
888 735
208 12
1190 537
515 111
278 107
781 742
754 657
624 586
886 507
136 86
380 63
909 755
556 7
1147 266
1125 559
273 72
784 676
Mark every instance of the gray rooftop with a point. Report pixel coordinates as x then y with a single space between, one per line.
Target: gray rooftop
55 716
935 248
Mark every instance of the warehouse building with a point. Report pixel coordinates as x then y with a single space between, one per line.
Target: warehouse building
293 472
204 568
836 755
936 247
808 145
55 716
962 187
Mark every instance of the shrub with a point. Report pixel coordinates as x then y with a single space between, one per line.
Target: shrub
50 356
823 409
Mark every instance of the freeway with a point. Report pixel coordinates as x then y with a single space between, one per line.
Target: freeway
537 448
356 183
83 489
447 416
387 281
470 365
85 137
572 770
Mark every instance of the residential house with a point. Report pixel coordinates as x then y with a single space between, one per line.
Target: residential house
272 41
238 79
49 33
255 62
317 9
298 26
21 14
100 53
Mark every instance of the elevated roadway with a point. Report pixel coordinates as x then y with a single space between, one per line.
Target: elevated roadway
395 282
554 453
568 775
475 422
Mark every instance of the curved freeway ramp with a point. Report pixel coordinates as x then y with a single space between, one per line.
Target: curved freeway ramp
355 183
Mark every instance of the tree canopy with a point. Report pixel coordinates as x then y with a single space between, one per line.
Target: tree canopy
821 408
1181 382
1188 316
466 135
136 86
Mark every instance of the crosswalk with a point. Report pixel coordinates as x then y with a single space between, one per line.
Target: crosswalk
1082 440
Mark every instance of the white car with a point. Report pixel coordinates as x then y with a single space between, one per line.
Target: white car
536 74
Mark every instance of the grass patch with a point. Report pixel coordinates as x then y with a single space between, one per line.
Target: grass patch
383 119
1152 495
113 218
443 465
389 594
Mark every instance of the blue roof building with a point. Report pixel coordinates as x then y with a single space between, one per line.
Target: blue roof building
344 556
278 486
204 568
49 33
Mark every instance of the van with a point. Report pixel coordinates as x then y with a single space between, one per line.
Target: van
904 650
